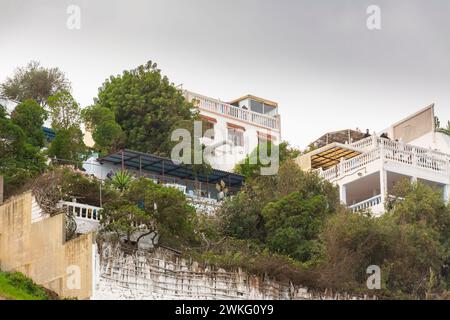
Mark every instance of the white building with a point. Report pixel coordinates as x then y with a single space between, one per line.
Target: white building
8 104
366 170
238 126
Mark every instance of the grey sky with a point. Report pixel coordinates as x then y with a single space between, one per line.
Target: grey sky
315 57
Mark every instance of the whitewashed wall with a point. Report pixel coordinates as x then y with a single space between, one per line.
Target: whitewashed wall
434 140
163 275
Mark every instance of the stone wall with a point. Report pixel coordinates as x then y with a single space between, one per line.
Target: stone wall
164 275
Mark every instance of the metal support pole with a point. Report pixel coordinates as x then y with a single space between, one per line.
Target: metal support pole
123 162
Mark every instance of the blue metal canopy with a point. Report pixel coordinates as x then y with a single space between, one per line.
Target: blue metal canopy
141 161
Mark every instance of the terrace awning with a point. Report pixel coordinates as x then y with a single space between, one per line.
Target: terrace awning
327 156
141 161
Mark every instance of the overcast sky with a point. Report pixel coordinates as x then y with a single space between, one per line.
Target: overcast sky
316 58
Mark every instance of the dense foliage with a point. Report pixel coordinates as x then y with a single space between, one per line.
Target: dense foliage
20 144
139 108
251 169
285 218
34 82
30 117
65 112
68 146
145 207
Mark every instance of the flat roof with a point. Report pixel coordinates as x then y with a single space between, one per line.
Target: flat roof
165 166
265 101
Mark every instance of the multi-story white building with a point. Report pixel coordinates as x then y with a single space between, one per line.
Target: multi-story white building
239 126
367 170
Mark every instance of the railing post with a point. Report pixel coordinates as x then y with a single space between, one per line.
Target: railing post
374 140
414 157
320 170
341 166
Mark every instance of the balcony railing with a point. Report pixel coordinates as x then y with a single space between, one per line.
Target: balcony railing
220 107
379 148
80 210
366 204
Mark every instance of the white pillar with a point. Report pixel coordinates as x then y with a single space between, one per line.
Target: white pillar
343 194
446 193
383 185
413 179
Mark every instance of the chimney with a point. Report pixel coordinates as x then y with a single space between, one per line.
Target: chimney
1 189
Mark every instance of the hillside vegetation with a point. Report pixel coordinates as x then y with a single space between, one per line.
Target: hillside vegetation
16 286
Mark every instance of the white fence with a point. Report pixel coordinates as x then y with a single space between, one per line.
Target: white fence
82 211
220 107
390 150
366 204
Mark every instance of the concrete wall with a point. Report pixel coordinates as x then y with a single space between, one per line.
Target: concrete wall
415 125
39 250
435 141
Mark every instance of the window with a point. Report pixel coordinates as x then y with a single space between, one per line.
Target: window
262 140
207 124
236 136
270 110
256 106
265 138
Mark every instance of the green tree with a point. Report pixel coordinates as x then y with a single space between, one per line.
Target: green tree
19 161
146 106
350 242
106 132
30 117
12 138
243 216
95 115
64 110
2 112
250 169
145 207
108 136
410 244
445 130
293 224
420 246
127 220
34 82
67 145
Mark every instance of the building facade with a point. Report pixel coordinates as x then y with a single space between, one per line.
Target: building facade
367 170
238 126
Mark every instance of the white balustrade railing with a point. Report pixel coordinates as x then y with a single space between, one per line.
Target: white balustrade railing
220 107
392 151
366 204
350 165
80 210
375 142
363 144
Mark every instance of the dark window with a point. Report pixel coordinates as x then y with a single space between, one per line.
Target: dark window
236 136
256 106
208 125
